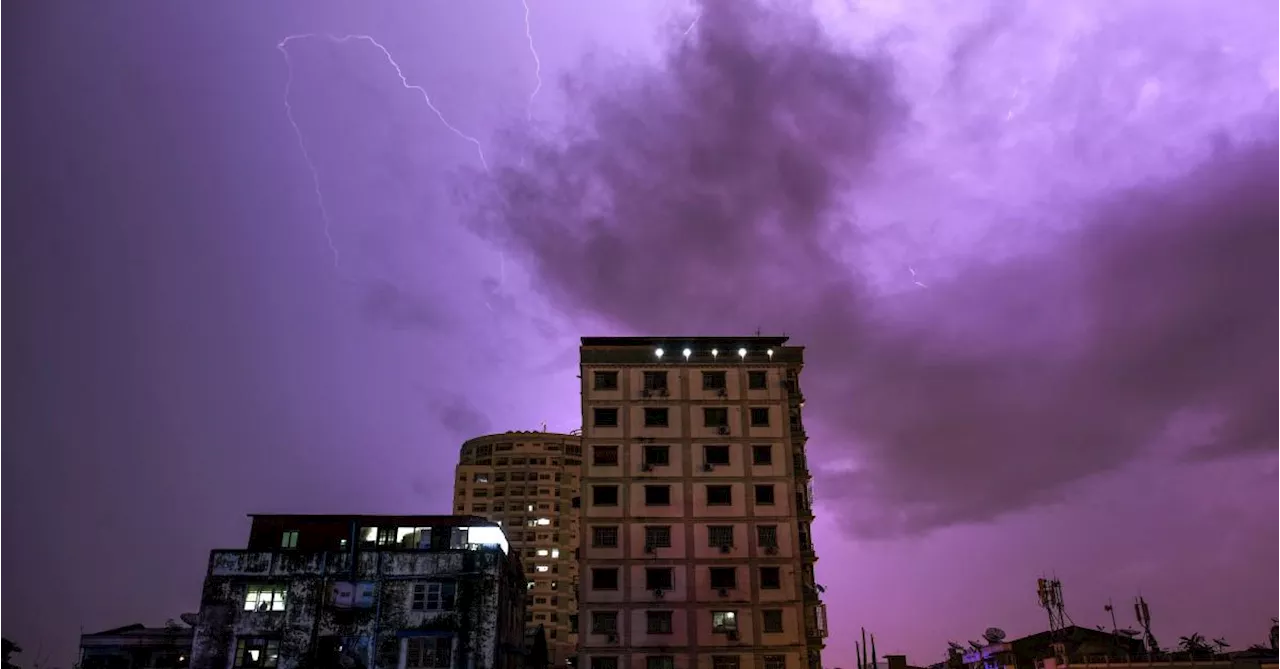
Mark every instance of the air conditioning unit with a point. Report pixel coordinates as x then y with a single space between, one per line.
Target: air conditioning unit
723 592
723 392
648 548
646 393
733 635
725 548
612 638
707 466
658 593
723 429
771 550
663 392
646 467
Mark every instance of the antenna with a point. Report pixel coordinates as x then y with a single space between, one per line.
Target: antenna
1049 592
1143 612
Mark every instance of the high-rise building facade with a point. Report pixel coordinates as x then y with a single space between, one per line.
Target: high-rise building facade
527 481
696 550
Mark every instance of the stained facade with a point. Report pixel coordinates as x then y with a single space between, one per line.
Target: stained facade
696 550
527 481
409 592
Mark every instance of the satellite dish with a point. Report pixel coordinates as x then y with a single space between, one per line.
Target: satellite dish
191 619
993 635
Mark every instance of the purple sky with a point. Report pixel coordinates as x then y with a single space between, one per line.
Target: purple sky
1029 247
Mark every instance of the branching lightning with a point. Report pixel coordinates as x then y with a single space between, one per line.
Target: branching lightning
537 62
306 155
913 277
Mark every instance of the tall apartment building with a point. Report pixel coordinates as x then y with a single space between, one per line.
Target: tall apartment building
696 507
527 481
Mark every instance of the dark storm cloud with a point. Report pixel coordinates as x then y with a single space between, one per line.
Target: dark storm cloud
702 197
459 416
389 304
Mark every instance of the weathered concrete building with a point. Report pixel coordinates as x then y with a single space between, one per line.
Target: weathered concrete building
527 481
406 592
137 647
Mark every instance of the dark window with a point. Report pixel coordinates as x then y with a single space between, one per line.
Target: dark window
723 578
257 652
715 417
604 578
604 456
713 381
433 597
657 456
775 662
656 417
717 495
772 621
759 416
657 536
604 537
428 653
762 454
757 380
715 455
770 578
658 622
660 661
655 381
767 536
606 380
606 417
657 495
719 535
604 622
658 578
604 495
724 662
598 662
764 494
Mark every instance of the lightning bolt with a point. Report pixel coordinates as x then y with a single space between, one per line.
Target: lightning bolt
913 277
693 24
283 47
537 62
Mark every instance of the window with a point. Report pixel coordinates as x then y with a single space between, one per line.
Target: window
764 494
265 598
433 596
481 478
604 537
759 416
767 536
715 417
714 381
715 455
762 454
719 495
660 661
604 578
724 621
772 620
723 578
719 535
656 417
657 456
598 662
770 578
605 380
658 622
604 622
757 380
604 495
659 578
479 508
426 652
657 536
257 652
724 662
289 539
657 495
605 456
775 662
605 417
655 381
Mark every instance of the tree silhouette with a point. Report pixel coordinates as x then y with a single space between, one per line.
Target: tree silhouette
9 649
1193 644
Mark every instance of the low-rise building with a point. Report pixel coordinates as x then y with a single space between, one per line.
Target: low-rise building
404 592
137 647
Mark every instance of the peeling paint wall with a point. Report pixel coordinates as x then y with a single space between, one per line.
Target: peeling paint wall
486 620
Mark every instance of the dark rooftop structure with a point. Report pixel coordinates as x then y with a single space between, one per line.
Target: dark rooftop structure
137 646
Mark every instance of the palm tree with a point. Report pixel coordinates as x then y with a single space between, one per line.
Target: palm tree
1193 644
1221 643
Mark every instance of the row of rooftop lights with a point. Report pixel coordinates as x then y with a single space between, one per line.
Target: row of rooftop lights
715 353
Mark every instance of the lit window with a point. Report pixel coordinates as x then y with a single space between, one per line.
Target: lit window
289 539
542 552
433 596
265 598
428 653
257 652
724 621
544 521
542 568
555 552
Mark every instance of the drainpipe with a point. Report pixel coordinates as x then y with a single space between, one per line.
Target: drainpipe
377 614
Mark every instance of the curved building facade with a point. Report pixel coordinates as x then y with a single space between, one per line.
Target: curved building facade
527 481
